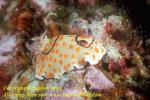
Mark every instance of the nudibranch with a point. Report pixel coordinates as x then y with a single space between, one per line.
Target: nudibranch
62 54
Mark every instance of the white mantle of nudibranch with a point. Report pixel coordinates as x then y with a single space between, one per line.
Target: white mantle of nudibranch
65 56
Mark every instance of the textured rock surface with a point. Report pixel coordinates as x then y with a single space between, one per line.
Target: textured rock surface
97 80
25 83
71 85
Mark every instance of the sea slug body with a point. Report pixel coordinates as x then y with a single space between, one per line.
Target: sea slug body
66 55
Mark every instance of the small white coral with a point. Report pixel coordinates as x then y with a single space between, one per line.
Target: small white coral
79 25
116 21
98 28
7 44
113 53
46 5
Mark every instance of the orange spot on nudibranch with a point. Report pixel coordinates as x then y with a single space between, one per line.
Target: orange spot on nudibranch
71 46
66 67
60 62
96 50
57 51
73 56
55 60
93 57
49 65
81 61
65 55
78 49
49 75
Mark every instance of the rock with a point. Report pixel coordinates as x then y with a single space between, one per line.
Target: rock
69 88
25 84
97 80
7 44
2 3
